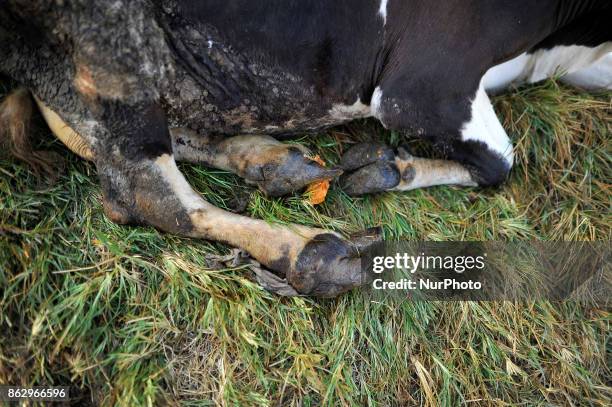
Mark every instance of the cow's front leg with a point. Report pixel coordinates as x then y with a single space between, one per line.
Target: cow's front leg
277 168
480 154
141 184
373 168
153 191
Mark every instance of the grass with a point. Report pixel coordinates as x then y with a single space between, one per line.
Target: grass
130 316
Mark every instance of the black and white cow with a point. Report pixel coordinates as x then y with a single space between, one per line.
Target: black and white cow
136 85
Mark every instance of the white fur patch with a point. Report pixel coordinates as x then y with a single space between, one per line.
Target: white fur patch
382 10
350 112
597 76
174 178
545 63
484 126
501 76
430 173
563 60
375 104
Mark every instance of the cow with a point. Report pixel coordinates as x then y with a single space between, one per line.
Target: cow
137 85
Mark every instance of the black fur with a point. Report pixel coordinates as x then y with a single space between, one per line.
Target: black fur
487 167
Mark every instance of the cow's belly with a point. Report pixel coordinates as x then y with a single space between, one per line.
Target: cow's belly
247 118
231 94
267 107
595 77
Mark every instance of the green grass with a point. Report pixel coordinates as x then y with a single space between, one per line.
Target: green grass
130 316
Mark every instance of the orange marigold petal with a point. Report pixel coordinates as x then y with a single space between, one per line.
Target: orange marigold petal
317 191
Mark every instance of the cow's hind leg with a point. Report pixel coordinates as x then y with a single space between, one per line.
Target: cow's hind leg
141 184
277 168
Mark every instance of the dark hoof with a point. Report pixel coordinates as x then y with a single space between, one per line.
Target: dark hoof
373 169
378 177
291 172
364 154
327 267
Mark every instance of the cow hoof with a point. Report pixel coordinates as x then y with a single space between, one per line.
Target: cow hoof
364 154
373 169
327 267
291 172
371 179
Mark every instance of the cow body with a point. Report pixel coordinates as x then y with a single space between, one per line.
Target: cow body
146 82
261 83
292 67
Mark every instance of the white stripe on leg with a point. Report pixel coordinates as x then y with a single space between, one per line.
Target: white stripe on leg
484 126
